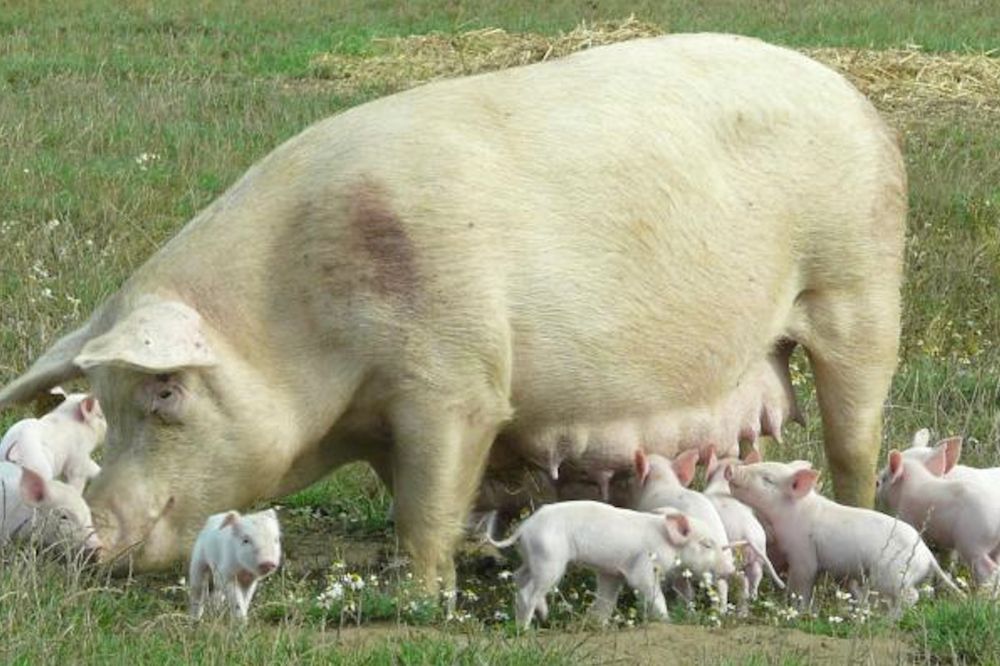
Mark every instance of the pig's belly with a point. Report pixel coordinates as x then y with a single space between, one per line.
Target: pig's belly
606 437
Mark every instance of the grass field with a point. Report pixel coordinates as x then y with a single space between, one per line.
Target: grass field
118 121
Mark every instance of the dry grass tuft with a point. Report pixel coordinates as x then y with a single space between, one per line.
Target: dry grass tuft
900 82
402 62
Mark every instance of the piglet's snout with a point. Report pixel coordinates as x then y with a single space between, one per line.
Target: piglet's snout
266 567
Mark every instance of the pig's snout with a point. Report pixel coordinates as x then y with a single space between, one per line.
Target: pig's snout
266 567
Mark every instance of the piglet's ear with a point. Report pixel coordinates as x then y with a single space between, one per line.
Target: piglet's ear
641 466
711 462
34 489
159 336
802 483
937 464
85 411
685 466
232 519
953 451
921 439
753 456
895 466
678 528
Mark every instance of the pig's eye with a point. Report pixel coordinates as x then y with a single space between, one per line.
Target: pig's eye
768 480
706 544
246 541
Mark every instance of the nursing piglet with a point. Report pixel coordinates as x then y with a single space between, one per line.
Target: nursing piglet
52 509
740 524
619 544
818 535
664 484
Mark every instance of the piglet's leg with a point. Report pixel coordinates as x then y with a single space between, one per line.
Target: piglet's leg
723 586
198 581
608 588
801 578
234 595
641 576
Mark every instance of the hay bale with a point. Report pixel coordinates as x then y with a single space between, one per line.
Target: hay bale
403 62
901 82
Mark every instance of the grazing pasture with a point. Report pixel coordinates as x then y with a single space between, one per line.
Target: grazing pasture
118 121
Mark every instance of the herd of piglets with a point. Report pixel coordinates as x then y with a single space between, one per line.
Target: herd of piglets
772 513
768 512
45 464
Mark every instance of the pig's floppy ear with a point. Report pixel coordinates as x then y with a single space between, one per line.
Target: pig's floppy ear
53 367
158 336
802 482
678 528
752 456
895 466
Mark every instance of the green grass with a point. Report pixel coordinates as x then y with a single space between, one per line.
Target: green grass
88 88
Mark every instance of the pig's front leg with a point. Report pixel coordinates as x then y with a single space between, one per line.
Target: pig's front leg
641 576
608 588
801 578
234 595
723 587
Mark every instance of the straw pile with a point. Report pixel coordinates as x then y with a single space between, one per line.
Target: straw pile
900 82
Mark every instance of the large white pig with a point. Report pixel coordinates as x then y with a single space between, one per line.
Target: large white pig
623 235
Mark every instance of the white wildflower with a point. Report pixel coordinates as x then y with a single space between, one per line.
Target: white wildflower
835 619
686 573
504 575
52 224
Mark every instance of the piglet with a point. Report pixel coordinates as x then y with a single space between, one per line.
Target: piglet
664 484
956 513
59 444
740 524
620 544
818 534
921 450
232 553
53 510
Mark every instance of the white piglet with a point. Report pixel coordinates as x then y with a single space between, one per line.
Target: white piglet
960 513
232 553
921 450
619 544
741 525
51 509
60 443
819 535
663 483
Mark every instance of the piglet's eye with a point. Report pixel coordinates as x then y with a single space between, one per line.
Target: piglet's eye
165 393
246 541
